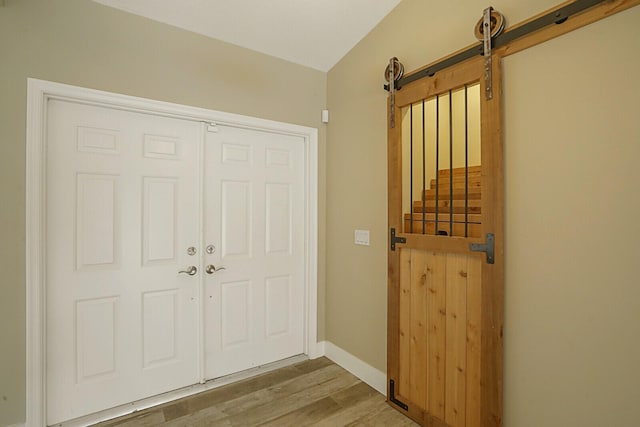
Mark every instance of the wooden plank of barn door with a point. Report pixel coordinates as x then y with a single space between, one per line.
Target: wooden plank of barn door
418 366
492 302
405 323
474 299
394 166
456 340
436 326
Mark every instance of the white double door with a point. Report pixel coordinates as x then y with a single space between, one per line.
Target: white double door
135 202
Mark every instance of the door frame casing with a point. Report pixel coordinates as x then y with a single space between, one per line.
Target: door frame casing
38 94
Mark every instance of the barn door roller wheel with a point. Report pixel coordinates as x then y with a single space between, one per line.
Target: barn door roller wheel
496 21
398 70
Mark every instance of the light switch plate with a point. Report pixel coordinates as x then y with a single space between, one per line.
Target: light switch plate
362 237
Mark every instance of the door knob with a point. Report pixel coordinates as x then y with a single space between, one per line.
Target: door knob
210 269
191 270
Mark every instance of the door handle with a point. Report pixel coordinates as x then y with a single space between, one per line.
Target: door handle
210 269
191 270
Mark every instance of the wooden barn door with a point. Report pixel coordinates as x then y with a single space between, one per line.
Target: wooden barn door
446 203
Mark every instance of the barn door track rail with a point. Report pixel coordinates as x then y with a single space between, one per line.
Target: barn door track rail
556 17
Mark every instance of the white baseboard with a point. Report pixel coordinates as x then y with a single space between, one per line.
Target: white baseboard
316 350
367 373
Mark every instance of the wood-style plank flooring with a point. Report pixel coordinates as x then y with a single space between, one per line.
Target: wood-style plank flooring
311 393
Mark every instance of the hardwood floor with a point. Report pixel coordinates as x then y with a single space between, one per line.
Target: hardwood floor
311 393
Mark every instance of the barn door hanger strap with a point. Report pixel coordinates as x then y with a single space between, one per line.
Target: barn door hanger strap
490 25
392 74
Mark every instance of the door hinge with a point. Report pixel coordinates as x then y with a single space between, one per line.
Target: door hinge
395 239
392 396
488 247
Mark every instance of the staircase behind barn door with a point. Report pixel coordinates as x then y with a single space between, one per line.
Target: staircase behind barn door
445 263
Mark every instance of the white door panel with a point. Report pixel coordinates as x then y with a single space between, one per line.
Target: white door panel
124 204
121 202
254 307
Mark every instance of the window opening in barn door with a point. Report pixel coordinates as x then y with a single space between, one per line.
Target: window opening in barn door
441 146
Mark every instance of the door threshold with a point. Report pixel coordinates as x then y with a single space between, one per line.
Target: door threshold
139 405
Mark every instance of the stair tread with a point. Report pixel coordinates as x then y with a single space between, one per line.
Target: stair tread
456 185
473 193
472 179
444 217
447 202
446 209
460 171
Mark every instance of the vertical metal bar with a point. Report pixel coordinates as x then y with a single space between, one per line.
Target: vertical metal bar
411 170
450 163
466 164
424 176
437 161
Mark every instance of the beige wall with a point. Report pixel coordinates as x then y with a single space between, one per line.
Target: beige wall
85 44
572 306
572 300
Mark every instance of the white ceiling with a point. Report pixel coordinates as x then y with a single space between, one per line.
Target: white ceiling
314 33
